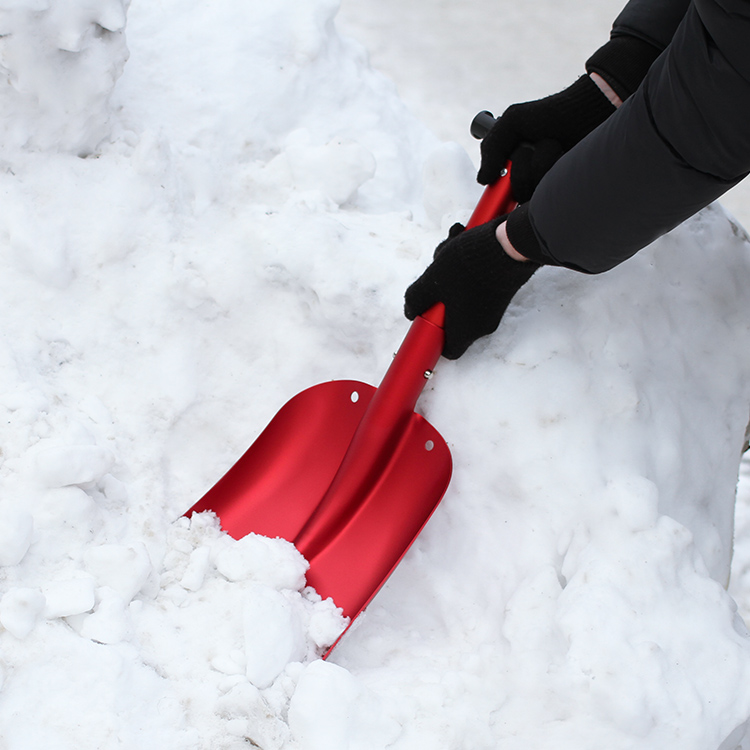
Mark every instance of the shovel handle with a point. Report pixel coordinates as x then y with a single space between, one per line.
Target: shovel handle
482 123
496 200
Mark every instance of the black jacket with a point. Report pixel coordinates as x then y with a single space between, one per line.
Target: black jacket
678 143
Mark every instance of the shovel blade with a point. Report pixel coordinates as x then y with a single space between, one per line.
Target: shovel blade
276 488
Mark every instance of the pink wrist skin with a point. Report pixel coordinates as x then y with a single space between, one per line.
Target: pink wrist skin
606 89
502 237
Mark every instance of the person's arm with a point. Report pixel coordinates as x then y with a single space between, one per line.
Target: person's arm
501 233
653 21
677 144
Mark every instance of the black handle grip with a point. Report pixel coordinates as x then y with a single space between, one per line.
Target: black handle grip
481 124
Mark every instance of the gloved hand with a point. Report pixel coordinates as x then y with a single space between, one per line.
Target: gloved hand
474 278
534 135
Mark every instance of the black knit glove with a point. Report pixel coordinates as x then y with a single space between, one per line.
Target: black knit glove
534 135
475 279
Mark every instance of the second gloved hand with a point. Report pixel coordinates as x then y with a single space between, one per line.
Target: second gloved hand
534 135
475 279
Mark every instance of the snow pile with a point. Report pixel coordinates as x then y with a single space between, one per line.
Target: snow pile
258 201
571 582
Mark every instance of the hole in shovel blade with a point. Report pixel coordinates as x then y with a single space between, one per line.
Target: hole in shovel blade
355 397
429 445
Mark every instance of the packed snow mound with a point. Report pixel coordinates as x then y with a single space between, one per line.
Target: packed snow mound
60 61
259 200
285 89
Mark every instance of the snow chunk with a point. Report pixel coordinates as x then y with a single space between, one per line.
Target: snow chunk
123 568
16 531
331 709
71 597
110 623
273 635
196 569
272 562
20 610
326 623
65 465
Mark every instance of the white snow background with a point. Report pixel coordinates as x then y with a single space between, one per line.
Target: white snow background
219 204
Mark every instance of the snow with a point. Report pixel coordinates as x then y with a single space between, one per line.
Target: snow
214 206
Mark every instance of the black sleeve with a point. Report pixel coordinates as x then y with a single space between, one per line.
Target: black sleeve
677 144
653 21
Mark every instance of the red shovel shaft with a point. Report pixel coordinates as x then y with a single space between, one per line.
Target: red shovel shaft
496 200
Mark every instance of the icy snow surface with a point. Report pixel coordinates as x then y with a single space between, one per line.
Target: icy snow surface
253 200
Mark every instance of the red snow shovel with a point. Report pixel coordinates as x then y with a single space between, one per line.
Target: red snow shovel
347 472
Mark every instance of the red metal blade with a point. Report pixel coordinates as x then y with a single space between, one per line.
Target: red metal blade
274 488
347 472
